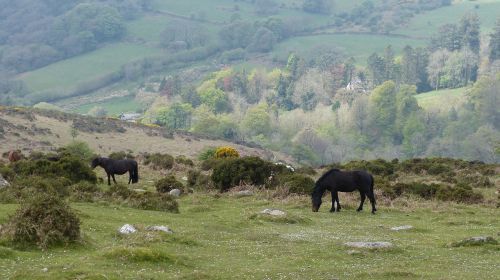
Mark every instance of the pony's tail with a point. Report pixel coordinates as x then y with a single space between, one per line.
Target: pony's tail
135 175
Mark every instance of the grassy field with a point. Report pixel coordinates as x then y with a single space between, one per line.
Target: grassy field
427 23
220 237
68 73
442 99
359 46
114 106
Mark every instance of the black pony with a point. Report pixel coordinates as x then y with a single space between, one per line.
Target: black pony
343 181
120 167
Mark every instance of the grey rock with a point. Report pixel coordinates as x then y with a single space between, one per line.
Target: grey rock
369 245
406 227
127 229
175 192
160 228
3 182
244 193
273 212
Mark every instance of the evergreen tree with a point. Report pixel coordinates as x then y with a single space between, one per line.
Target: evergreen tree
495 42
469 30
376 68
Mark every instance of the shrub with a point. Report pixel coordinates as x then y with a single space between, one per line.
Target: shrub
459 194
153 201
184 160
159 161
53 186
197 179
45 221
307 170
209 164
298 183
226 152
67 166
118 191
84 192
231 172
77 149
376 167
140 254
167 184
121 155
208 153
437 169
7 173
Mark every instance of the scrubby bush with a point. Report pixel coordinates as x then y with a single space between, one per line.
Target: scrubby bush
209 164
231 172
459 193
226 152
53 186
159 161
153 201
437 169
167 184
67 166
118 191
77 149
297 183
184 160
208 153
197 179
376 167
45 221
84 192
121 155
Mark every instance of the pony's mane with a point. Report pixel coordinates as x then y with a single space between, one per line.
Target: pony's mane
328 173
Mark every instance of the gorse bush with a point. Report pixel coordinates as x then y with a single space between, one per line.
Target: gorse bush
153 201
121 155
167 184
159 161
84 192
118 191
226 152
67 166
208 153
231 172
44 220
297 183
197 179
184 161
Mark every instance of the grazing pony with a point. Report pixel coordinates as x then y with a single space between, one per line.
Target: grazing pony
343 181
120 167
15 155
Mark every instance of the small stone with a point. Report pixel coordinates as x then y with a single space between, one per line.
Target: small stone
45 269
175 192
406 227
185 178
3 182
127 229
244 193
369 245
475 241
159 228
273 212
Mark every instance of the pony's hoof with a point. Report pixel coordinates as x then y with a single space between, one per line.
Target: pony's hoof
332 210
359 210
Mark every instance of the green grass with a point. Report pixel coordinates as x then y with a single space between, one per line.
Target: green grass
68 73
359 46
427 23
442 99
114 106
222 241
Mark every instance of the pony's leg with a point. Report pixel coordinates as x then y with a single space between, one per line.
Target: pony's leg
363 196
129 177
113 175
334 194
338 203
109 179
371 196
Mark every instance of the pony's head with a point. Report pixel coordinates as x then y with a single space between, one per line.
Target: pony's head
95 162
316 197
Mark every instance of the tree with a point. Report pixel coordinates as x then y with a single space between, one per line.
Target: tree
409 73
436 67
257 120
316 6
383 111
262 41
176 116
469 29
237 34
186 33
376 66
495 42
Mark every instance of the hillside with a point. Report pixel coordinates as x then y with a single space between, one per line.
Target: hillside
38 130
145 35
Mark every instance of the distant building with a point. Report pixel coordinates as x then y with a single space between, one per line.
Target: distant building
129 117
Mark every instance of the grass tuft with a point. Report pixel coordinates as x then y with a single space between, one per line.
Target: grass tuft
140 254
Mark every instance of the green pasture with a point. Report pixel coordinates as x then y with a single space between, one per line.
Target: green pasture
67 73
426 24
114 106
222 237
442 99
359 46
